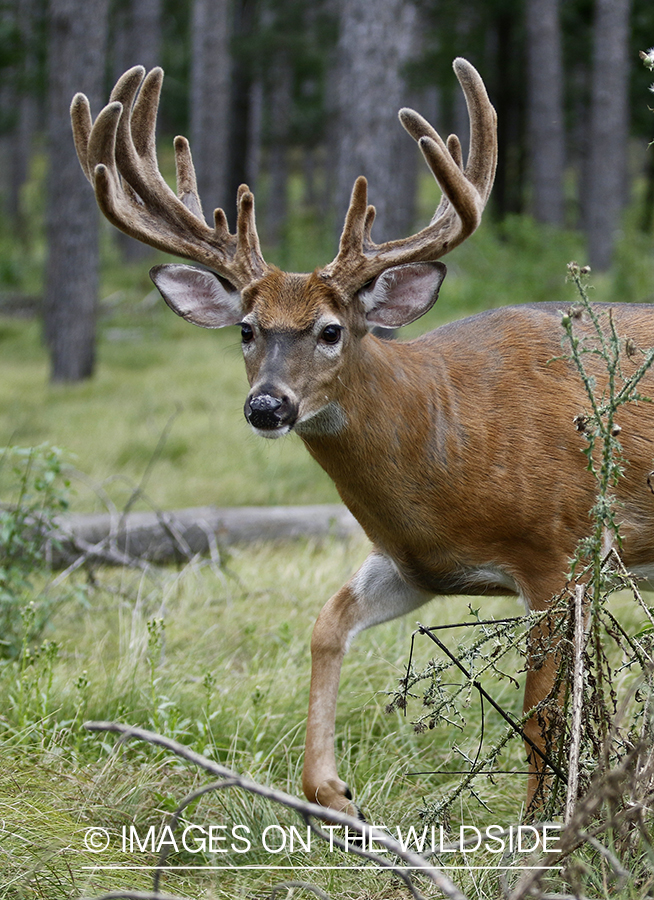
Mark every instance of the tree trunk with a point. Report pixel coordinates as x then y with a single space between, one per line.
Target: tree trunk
370 89
545 121
210 101
281 100
255 132
609 130
77 32
136 41
167 537
508 99
241 119
137 35
18 106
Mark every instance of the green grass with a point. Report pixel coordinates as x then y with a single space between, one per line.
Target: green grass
160 374
230 677
227 674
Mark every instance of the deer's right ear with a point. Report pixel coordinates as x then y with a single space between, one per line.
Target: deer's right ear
198 295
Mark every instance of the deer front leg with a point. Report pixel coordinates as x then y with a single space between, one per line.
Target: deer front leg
375 594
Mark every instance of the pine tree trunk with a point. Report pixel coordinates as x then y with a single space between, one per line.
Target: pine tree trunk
77 32
281 100
609 130
545 111
508 99
369 90
210 101
241 118
136 41
18 107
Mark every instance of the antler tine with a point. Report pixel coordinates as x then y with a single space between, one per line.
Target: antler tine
482 158
80 116
353 233
465 192
118 156
187 184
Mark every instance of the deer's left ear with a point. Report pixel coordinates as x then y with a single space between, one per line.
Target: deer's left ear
402 294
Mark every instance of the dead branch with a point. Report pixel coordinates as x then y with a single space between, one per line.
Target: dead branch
607 786
307 811
577 702
136 895
158 537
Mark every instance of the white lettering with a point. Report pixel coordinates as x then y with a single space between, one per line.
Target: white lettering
272 829
134 839
243 840
491 836
556 837
201 844
412 838
167 837
462 840
217 836
304 844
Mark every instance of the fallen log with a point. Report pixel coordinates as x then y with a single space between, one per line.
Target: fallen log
164 537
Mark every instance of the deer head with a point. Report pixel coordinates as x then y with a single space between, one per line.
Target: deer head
321 316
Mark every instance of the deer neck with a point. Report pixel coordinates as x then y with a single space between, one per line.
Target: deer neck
385 426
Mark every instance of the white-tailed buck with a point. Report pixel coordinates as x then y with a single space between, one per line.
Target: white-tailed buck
456 452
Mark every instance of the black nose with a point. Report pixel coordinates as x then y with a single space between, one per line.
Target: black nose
268 412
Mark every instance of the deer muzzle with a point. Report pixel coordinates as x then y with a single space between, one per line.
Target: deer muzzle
269 414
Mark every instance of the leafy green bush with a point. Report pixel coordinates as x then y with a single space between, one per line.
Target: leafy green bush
36 489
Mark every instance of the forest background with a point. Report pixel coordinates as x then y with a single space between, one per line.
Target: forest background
299 98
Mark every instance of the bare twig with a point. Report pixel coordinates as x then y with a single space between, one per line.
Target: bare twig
606 786
301 885
307 811
139 490
577 702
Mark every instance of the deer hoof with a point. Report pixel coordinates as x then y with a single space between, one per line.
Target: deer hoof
335 794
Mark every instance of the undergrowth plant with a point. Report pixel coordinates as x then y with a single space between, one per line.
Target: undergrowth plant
34 482
597 569
605 669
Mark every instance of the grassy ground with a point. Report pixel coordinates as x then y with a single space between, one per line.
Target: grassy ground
218 659
227 675
227 671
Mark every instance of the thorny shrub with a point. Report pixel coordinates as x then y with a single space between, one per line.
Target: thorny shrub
613 665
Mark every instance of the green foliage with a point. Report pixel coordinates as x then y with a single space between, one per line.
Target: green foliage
35 482
599 427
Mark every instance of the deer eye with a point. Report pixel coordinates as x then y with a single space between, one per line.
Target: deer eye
331 334
246 333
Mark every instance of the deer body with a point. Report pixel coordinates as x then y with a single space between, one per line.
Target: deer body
456 452
458 455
